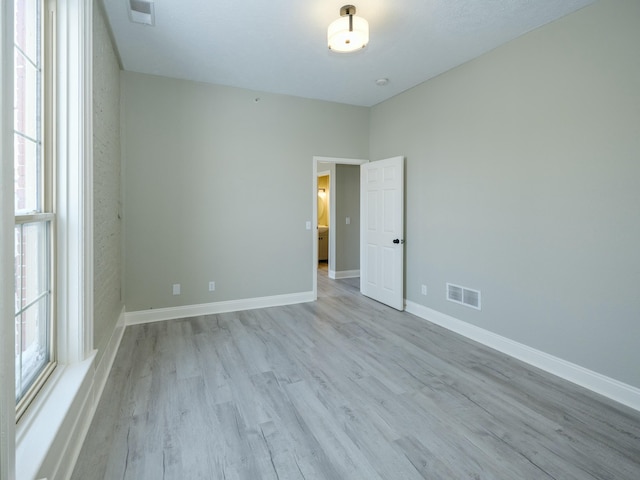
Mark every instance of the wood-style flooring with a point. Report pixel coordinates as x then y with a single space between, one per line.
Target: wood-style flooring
343 388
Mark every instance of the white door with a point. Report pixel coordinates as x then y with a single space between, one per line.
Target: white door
382 231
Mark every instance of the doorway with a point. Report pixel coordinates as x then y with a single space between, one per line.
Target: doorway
320 165
325 203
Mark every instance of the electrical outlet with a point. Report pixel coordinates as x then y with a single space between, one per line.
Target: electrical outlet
212 286
424 289
176 289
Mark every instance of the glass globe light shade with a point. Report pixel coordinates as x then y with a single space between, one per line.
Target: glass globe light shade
340 39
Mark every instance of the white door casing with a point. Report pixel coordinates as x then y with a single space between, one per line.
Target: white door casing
382 231
314 221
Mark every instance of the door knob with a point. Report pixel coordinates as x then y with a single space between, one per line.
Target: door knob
397 240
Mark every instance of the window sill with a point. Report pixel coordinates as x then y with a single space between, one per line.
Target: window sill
41 433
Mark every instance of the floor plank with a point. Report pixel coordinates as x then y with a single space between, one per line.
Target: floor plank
342 388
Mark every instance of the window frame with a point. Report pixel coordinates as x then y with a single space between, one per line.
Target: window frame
38 438
46 202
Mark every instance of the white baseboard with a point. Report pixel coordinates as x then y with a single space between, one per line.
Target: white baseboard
160 314
596 382
100 376
337 275
106 362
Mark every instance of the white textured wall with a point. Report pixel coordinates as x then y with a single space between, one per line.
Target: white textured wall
106 187
523 181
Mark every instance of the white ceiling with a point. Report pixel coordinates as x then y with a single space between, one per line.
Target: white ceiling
280 46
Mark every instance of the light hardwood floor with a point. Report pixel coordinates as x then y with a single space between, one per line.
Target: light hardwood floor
343 388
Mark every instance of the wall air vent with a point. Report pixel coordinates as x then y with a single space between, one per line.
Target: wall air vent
463 296
141 11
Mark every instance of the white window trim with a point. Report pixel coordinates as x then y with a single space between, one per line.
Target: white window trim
39 439
75 178
7 327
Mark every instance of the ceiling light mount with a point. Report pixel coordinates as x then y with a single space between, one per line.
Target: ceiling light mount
348 33
347 10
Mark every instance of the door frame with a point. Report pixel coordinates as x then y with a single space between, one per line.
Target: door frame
314 213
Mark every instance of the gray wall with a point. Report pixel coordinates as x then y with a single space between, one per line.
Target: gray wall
523 181
347 198
107 226
218 187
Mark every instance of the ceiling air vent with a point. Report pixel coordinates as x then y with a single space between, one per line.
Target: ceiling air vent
463 296
141 11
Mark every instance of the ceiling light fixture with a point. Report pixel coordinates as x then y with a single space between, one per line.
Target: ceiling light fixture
348 33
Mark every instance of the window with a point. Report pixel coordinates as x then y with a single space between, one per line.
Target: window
34 202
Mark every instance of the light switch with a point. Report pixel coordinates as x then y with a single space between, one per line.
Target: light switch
348 220
308 225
